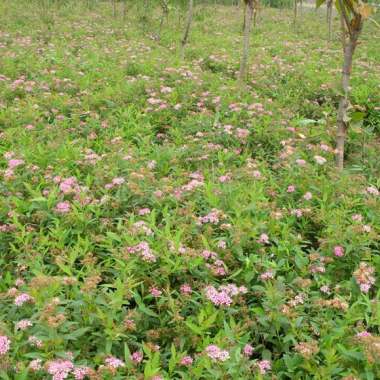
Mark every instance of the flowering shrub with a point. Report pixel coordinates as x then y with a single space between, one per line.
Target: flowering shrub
158 223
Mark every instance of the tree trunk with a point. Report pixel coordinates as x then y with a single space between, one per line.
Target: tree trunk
258 6
343 100
245 16
164 11
146 7
114 8
295 12
329 18
246 41
124 10
301 10
343 33
187 30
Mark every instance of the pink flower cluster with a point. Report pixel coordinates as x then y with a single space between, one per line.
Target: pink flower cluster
267 275
80 372
154 291
136 357
24 298
114 362
248 350
5 345
217 354
23 325
35 365
60 368
63 207
263 366
364 277
224 294
213 217
187 361
338 250
142 249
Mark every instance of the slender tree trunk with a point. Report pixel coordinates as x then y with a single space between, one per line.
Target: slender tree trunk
354 29
114 8
329 18
146 7
245 16
187 30
343 33
343 100
246 40
301 10
295 12
164 11
258 6
124 10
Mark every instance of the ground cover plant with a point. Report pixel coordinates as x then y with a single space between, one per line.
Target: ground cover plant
162 219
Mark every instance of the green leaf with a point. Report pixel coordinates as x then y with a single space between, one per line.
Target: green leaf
228 332
114 236
147 311
288 362
319 3
211 320
195 328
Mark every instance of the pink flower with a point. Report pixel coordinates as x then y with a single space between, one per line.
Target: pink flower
13 163
59 368
320 160
185 288
308 196
23 325
154 291
301 162
365 287
264 238
118 181
23 298
224 178
80 372
187 361
266 275
338 250
366 228
373 190
291 189
114 362
63 207
222 245
217 354
5 345
136 357
325 289
248 350
35 365
151 164
263 366
142 249
358 217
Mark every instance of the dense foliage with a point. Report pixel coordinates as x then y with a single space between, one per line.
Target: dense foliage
158 222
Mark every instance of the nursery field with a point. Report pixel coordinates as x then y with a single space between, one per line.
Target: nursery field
160 220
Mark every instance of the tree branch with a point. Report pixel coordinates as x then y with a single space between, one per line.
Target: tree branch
345 16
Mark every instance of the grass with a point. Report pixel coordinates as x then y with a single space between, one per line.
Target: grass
136 187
